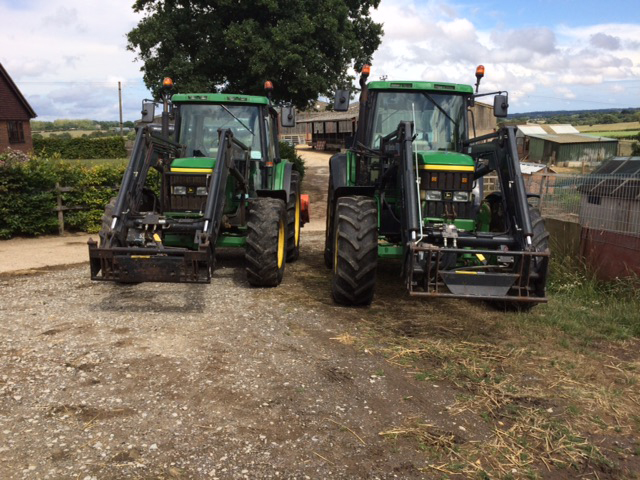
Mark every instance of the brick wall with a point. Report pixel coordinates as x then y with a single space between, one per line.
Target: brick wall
25 147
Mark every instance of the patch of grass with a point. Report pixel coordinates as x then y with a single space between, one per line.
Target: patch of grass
587 309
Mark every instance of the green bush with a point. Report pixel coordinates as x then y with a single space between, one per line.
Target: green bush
83 147
288 152
28 197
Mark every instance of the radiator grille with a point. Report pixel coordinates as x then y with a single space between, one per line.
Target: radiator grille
189 202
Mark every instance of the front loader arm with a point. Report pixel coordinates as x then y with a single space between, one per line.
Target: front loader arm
230 150
143 157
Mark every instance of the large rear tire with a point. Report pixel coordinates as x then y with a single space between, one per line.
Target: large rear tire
293 219
265 250
355 245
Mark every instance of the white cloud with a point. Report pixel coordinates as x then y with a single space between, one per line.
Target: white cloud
426 42
72 41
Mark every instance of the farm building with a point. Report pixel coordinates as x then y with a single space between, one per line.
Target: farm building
610 196
15 115
334 130
563 145
610 218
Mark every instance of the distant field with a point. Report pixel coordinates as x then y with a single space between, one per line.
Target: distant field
612 127
614 134
73 133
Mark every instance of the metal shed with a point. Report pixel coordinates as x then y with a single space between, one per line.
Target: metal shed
570 149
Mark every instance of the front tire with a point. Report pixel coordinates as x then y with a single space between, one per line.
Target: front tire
265 249
355 250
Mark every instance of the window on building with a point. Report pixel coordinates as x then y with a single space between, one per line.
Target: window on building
16 132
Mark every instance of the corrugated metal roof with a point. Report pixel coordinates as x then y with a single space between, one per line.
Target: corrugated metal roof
572 138
531 129
528 168
562 129
330 116
618 177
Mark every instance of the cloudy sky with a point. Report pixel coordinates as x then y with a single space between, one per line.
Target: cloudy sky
68 56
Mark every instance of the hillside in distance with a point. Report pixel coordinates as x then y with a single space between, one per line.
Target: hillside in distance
580 117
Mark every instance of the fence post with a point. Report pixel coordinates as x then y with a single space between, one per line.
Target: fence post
542 180
60 210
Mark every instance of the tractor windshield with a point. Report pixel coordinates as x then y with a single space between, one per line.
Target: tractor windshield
439 119
199 124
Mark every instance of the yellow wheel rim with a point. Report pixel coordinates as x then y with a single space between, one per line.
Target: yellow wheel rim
281 243
297 222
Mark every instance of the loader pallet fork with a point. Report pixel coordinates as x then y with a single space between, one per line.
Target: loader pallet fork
411 188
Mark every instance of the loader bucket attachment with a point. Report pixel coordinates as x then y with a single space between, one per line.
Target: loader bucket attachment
135 265
515 283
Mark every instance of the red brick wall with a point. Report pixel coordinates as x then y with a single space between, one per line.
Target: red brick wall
25 147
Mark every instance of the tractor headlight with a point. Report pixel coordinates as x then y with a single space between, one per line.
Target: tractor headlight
201 191
434 195
460 196
179 190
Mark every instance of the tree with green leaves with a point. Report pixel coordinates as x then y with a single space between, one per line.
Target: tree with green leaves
305 47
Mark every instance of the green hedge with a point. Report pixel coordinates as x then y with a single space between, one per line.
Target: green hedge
288 152
84 147
27 196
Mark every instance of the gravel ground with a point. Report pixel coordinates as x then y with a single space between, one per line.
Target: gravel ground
200 381
99 380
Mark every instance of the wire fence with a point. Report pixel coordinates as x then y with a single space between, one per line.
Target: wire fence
609 202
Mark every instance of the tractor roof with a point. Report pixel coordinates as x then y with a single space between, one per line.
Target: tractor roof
218 98
420 85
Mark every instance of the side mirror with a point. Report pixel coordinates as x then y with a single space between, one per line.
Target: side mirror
341 101
148 112
500 106
288 117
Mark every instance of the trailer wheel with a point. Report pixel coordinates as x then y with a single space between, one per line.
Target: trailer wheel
355 250
293 219
265 250
328 232
107 218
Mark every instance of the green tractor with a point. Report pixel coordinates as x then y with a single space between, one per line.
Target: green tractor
411 188
222 183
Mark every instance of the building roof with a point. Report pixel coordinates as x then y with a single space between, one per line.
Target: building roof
330 116
618 177
531 129
527 168
13 105
562 129
352 113
572 138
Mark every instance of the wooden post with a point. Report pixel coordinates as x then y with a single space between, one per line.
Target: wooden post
60 209
542 191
